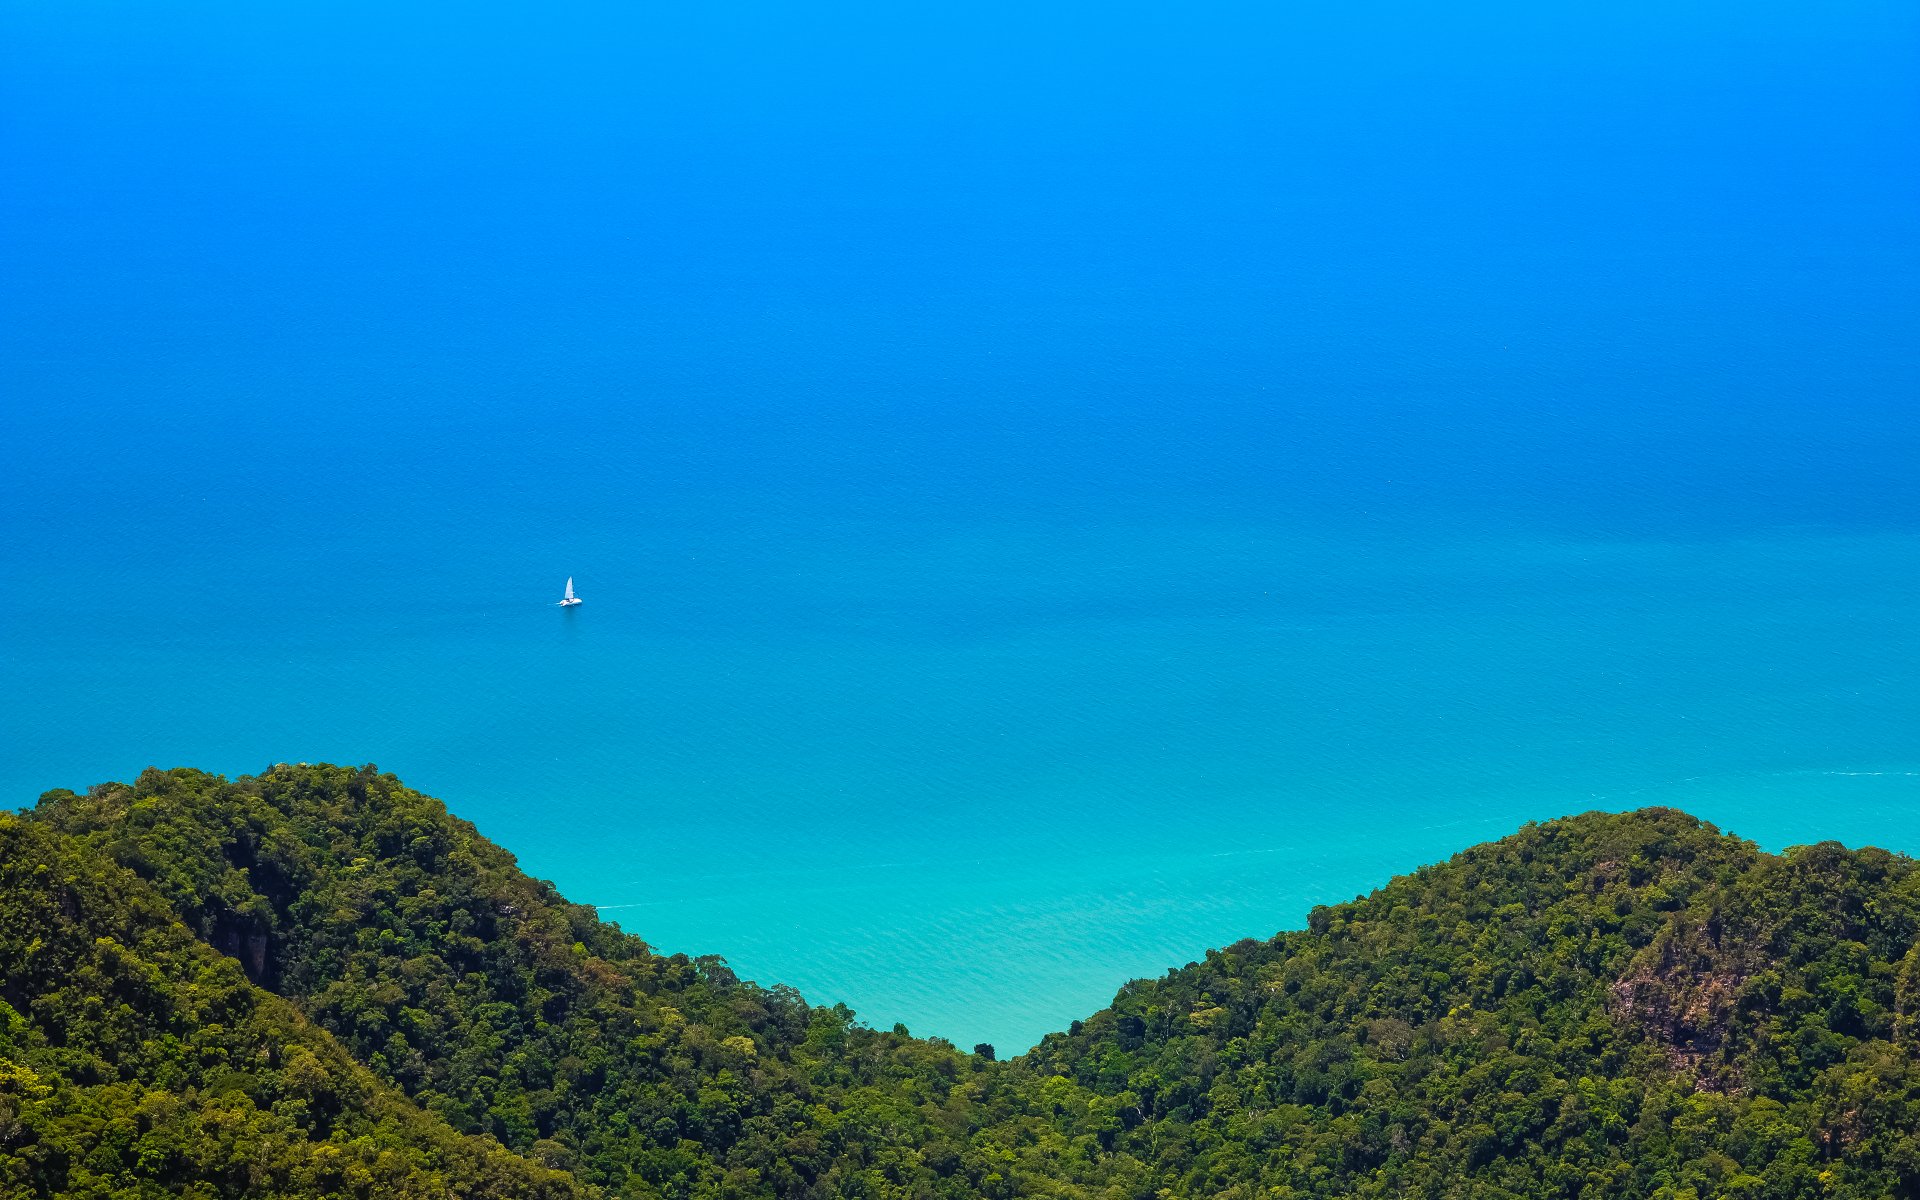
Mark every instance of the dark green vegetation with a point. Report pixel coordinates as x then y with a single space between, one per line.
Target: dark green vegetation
316 982
137 1061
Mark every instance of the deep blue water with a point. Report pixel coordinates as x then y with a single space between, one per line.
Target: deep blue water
1055 488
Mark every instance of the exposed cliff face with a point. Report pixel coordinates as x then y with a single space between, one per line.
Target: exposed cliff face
1907 1002
1682 991
245 944
1766 948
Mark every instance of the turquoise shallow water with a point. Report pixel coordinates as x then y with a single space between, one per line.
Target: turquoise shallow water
1054 490
995 772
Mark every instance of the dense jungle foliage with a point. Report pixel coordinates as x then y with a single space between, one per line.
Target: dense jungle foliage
317 982
501 1009
137 1061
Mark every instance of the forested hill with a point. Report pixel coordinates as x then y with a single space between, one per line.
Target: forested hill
1602 1006
503 1010
315 981
136 1061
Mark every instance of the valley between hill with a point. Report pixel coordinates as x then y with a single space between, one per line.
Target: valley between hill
316 982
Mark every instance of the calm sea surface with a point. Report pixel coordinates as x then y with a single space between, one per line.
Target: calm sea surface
1055 488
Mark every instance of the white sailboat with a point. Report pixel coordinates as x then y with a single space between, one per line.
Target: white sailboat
569 599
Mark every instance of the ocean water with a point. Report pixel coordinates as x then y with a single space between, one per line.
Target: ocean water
1055 488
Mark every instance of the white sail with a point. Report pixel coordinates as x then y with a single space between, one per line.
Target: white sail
569 587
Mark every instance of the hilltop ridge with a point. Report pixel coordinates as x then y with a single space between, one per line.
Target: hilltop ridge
1604 1005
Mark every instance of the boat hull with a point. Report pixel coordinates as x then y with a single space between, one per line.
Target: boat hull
568 603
